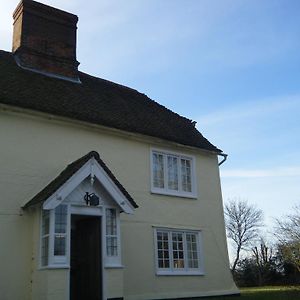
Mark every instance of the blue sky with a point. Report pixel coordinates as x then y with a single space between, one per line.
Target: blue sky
233 66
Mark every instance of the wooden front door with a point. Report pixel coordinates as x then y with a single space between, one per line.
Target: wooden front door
86 262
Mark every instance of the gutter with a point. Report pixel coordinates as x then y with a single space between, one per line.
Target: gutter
224 158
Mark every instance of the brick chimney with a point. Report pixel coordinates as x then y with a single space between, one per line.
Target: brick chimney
44 40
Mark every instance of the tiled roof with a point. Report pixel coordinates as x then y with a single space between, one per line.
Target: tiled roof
69 171
96 101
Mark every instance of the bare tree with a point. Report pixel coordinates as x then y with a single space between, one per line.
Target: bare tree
288 235
243 221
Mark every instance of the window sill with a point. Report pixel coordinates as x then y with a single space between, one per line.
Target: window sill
117 266
51 267
172 193
179 273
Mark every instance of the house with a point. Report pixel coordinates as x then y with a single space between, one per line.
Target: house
105 194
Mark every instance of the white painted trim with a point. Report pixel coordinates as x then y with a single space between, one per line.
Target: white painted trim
178 227
186 271
51 238
40 266
55 261
57 198
86 210
92 168
62 266
120 266
179 273
114 261
158 191
165 190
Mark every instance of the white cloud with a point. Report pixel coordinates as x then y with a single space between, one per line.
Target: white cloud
252 109
258 173
265 130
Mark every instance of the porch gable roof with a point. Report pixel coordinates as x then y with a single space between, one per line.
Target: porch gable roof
71 170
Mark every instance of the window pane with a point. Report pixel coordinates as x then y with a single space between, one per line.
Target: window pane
163 264
111 221
112 246
160 263
61 219
45 249
192 252
178 252
60 244
163 249
172 173
111 232
186 175
45 222
166 263
158 170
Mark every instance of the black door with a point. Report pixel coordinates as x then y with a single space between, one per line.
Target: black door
86 262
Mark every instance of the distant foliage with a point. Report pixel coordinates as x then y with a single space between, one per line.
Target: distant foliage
265 263
287 232
260 268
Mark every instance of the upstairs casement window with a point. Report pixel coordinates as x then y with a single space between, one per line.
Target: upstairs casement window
54 236
173 174
178 252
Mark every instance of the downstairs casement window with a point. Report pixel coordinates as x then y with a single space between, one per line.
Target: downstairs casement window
112 236
178 252
173 174
54 235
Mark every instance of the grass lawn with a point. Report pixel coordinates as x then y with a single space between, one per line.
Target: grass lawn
266 293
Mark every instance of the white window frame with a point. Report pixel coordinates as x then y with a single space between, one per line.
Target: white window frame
55 261
112 261
63 262
44 236
166 190
186 270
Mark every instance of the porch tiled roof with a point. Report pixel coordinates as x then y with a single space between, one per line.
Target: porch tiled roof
70 170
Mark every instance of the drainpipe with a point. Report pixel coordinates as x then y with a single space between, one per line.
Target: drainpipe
224 158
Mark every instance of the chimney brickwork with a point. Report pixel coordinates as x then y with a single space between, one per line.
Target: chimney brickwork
44 39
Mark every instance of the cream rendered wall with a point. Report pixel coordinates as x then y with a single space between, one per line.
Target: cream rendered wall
35 149
205 214
15 251
43 280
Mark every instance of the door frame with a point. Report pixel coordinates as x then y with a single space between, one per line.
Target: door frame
96 212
